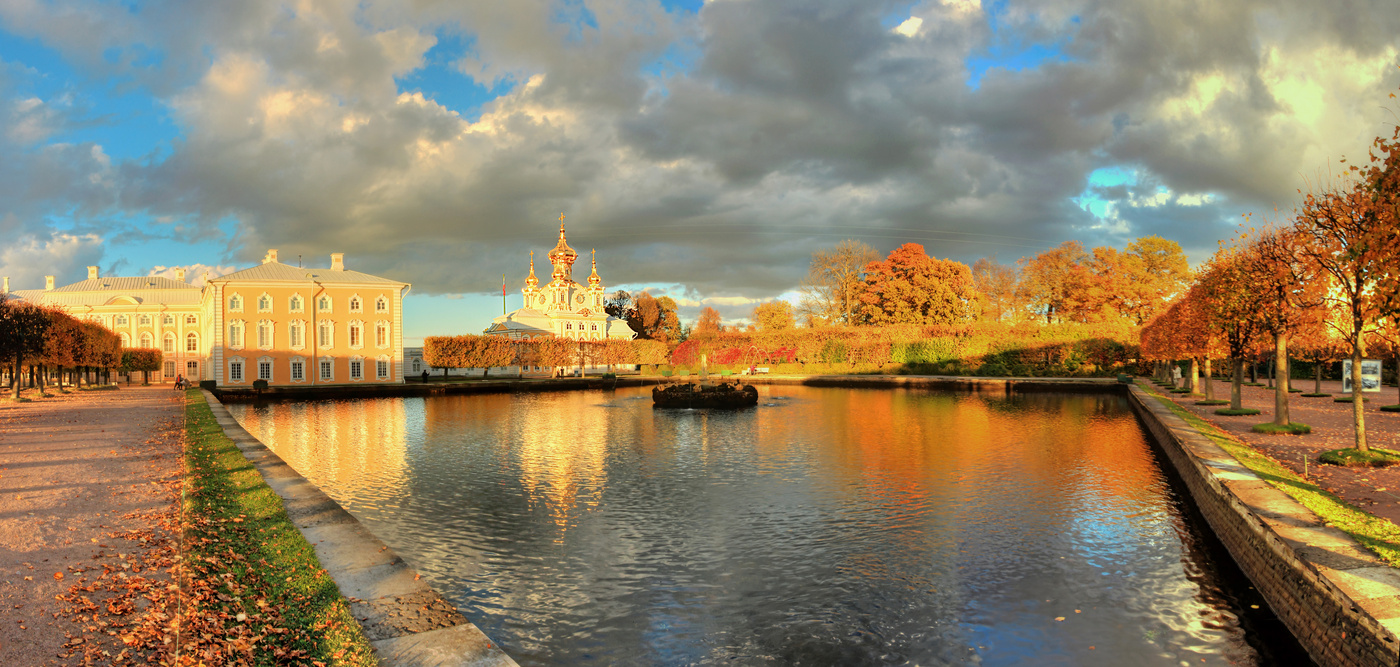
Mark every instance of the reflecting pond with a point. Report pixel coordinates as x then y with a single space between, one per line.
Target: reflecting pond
825 526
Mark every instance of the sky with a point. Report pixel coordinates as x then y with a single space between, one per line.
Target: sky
704 149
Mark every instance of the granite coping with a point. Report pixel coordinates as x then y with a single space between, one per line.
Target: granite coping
407 622
1355 575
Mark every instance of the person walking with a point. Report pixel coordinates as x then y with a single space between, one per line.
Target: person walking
1176 375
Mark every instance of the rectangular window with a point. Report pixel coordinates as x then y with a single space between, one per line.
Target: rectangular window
297 375
264 335
325 334
170 344
381 336
295 336
191 370
235 371
356 369
235 335
382 368
326 369
170 369
354 335
264 370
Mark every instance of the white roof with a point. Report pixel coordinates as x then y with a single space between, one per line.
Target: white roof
148 290
277 271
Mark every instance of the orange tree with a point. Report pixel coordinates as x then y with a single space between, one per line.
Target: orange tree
909 287
1344 232
1228 301
60 342
1289 298
445 352
142 359
23 327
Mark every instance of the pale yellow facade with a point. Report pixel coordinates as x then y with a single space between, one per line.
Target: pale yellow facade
287 325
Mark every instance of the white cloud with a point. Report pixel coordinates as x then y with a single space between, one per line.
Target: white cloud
195 274
27 259
910 26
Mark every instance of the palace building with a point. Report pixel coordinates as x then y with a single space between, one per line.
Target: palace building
563 307
286 325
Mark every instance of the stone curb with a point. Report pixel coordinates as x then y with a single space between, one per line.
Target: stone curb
408 623
1334 595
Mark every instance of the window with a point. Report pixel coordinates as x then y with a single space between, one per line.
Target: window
265 335
192 342
191 370
264 304
355 304
168 320
235 302
146 339
145 320
381 334
235 370
382 369
170 369
265 369
595 327
298 369
357 369
381 305
327 370
191 319
325 333
569 326
295 304
235 334
122 321
169 343
324 304
356 337
417 365
296 334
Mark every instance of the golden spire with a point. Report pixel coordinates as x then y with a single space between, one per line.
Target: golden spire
562 256
532 280
594 280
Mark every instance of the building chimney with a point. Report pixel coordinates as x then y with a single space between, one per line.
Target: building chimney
7 285
337 261
180 275
48 283
92 273
271 256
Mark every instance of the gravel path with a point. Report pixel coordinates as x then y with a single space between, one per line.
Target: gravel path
81 474
1375 489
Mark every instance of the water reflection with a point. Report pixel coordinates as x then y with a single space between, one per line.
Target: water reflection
823 527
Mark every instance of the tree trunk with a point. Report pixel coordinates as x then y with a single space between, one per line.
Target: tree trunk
1254 371
14 377
1272 370
1235 380
1317 378
1195 377
1281 416
1358 405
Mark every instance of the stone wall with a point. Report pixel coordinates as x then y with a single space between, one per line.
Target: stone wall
1338 599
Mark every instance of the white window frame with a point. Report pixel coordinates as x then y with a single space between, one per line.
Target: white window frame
325 304
121 321
168 343
357 305
417 365
357 362
325 369
296 328
168 320
355 330
237 334
191 375
191 319
191 342
381 305
143 320
382 367
147 340
381 330
266 333
328 341
297 364
270 366
235 370
126 340
296 304
168 368
235 303
264 298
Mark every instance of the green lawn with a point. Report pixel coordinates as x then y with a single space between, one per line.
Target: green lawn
254 586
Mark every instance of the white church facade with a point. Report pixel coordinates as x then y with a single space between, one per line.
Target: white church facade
563 307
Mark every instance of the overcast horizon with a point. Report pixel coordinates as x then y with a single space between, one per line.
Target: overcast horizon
704 149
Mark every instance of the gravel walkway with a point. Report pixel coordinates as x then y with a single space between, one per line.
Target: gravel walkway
82 476
1375 489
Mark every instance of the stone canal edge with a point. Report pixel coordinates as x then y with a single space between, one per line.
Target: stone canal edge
408 623
1339 600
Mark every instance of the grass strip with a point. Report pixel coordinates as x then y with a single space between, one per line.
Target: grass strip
254 586
1350 456
1379 535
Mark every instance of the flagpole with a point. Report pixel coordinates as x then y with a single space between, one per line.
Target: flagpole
503 294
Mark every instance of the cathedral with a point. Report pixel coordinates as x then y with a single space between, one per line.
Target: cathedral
562 307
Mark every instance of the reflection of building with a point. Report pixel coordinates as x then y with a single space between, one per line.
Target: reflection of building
286 325
562 307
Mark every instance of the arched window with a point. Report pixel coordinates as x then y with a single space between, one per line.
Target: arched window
265 335
192 342
355 304
325 333
146 339
191 319
264 304
295 304
235 302
235 334
381 334
381 305
126 340
169 342
324 304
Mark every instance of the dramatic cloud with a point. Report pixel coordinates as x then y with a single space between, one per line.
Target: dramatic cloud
711 151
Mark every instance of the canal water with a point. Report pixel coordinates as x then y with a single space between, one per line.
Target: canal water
824 527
